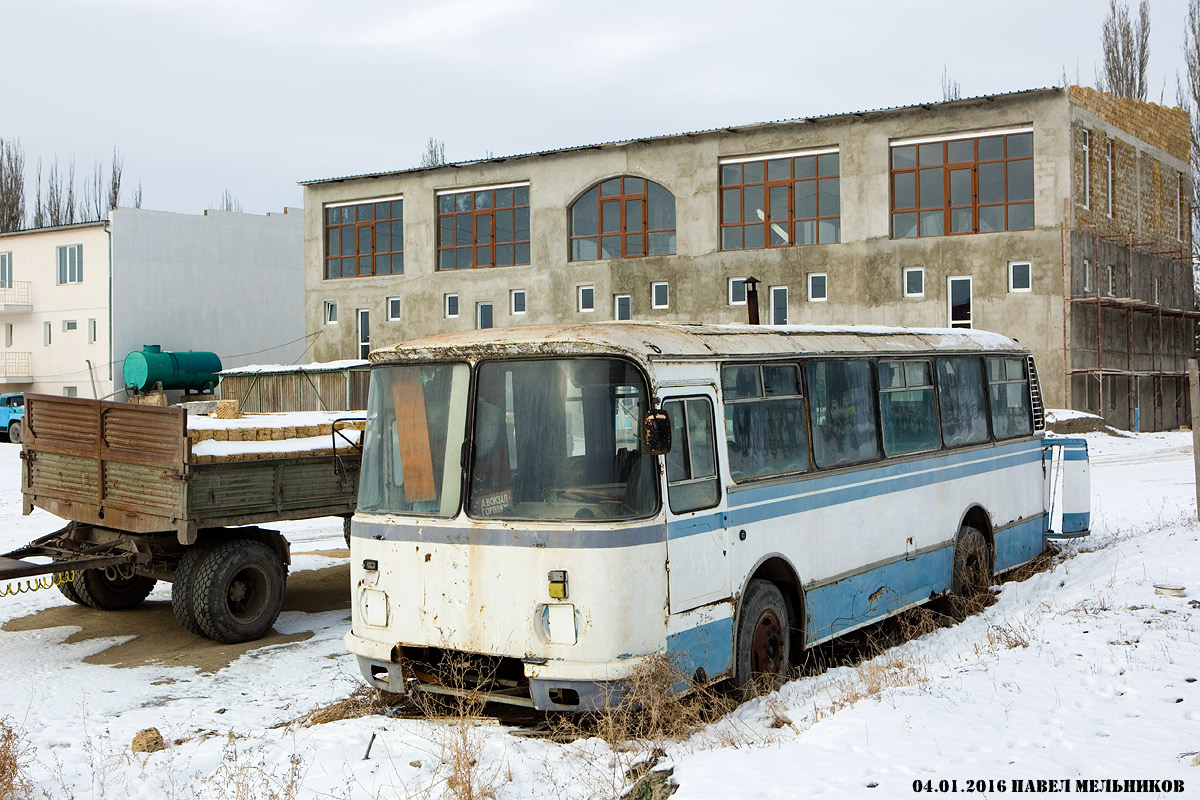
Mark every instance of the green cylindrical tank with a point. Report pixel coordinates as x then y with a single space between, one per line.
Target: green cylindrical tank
194 370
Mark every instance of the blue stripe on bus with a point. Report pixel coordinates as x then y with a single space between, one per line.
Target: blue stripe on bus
1017 544
708 647
822 492
869 596
579 539
1074 523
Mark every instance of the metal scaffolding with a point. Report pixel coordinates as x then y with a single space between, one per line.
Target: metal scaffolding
1154 311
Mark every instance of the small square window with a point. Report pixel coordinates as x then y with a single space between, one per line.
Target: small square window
1020 277
622 307
451 306
587 299
737 291
91 331
817 288
914 282
393 308
330 312
660 295
47 328
70 325
70 391
517 304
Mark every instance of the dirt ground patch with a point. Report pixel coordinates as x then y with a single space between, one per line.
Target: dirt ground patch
158 639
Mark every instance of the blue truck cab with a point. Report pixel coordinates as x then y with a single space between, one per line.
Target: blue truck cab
12 416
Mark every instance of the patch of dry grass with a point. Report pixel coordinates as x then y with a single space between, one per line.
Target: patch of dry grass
15 757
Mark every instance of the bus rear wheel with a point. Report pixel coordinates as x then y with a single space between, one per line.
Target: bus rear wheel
763 638
971 574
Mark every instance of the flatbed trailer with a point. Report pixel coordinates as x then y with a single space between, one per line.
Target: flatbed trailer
142 509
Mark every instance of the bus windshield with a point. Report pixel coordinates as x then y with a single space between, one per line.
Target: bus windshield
416 420
559 439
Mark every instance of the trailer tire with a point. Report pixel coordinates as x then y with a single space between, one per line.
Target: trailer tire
67 588
346 530
14 432
763 638
98 590
237 590
181 588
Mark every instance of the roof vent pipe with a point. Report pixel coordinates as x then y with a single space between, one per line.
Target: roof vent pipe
752 300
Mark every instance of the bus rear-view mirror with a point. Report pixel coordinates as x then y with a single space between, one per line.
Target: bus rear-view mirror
656 433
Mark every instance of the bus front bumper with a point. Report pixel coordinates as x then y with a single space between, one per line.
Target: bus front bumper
553 685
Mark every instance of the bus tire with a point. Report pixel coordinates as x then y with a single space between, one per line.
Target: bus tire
972 572
237 590
97 589
181 589
14 432
763 638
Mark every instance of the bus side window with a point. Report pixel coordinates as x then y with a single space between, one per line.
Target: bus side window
765 427
841 405
961 395
906 407
1008 389
692 481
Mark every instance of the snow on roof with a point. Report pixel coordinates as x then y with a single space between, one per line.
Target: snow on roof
272 369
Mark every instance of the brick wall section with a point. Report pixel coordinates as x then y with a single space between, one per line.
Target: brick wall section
1159 126
1146 200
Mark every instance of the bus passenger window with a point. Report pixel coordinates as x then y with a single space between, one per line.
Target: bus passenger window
906 407
1008 389
692 481
961 396
842 409
765 428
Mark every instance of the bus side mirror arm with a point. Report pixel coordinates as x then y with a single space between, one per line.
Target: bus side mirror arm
656 433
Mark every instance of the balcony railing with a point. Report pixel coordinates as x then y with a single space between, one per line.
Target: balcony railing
15 295
14 365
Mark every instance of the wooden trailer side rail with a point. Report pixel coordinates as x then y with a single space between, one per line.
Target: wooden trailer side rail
118 465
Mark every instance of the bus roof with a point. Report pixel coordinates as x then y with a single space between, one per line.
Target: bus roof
685 341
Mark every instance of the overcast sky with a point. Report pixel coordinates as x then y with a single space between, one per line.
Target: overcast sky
255 95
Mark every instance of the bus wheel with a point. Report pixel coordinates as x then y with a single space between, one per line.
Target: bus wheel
763 639
109 589
237 590
972 572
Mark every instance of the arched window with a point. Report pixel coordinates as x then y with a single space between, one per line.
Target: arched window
623 218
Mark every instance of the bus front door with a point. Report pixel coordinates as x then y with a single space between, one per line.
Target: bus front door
697 539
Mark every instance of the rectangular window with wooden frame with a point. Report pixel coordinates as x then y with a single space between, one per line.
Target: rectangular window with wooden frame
483 227
364 239
781 200
959 185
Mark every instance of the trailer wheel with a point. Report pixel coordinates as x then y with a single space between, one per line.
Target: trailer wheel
110 590
237 590
181 588
346 530
14 432
67 588
763 638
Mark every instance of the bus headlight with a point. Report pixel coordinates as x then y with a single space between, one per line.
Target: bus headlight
558 584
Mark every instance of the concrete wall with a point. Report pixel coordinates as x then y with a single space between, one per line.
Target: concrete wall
37 300
864 270
226 282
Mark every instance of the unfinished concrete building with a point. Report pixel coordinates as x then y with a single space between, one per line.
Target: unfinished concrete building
1055 216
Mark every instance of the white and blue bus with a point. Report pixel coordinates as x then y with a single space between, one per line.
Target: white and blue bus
555 506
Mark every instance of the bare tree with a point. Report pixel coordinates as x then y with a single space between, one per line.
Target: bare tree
114 179
950 88
60 196
137 196
91 205
228 202
1126 48
435 153
12 186
39 210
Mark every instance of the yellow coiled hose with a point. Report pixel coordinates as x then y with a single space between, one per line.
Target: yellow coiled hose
40 582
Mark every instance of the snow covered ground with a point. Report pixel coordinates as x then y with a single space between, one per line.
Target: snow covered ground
1081 673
